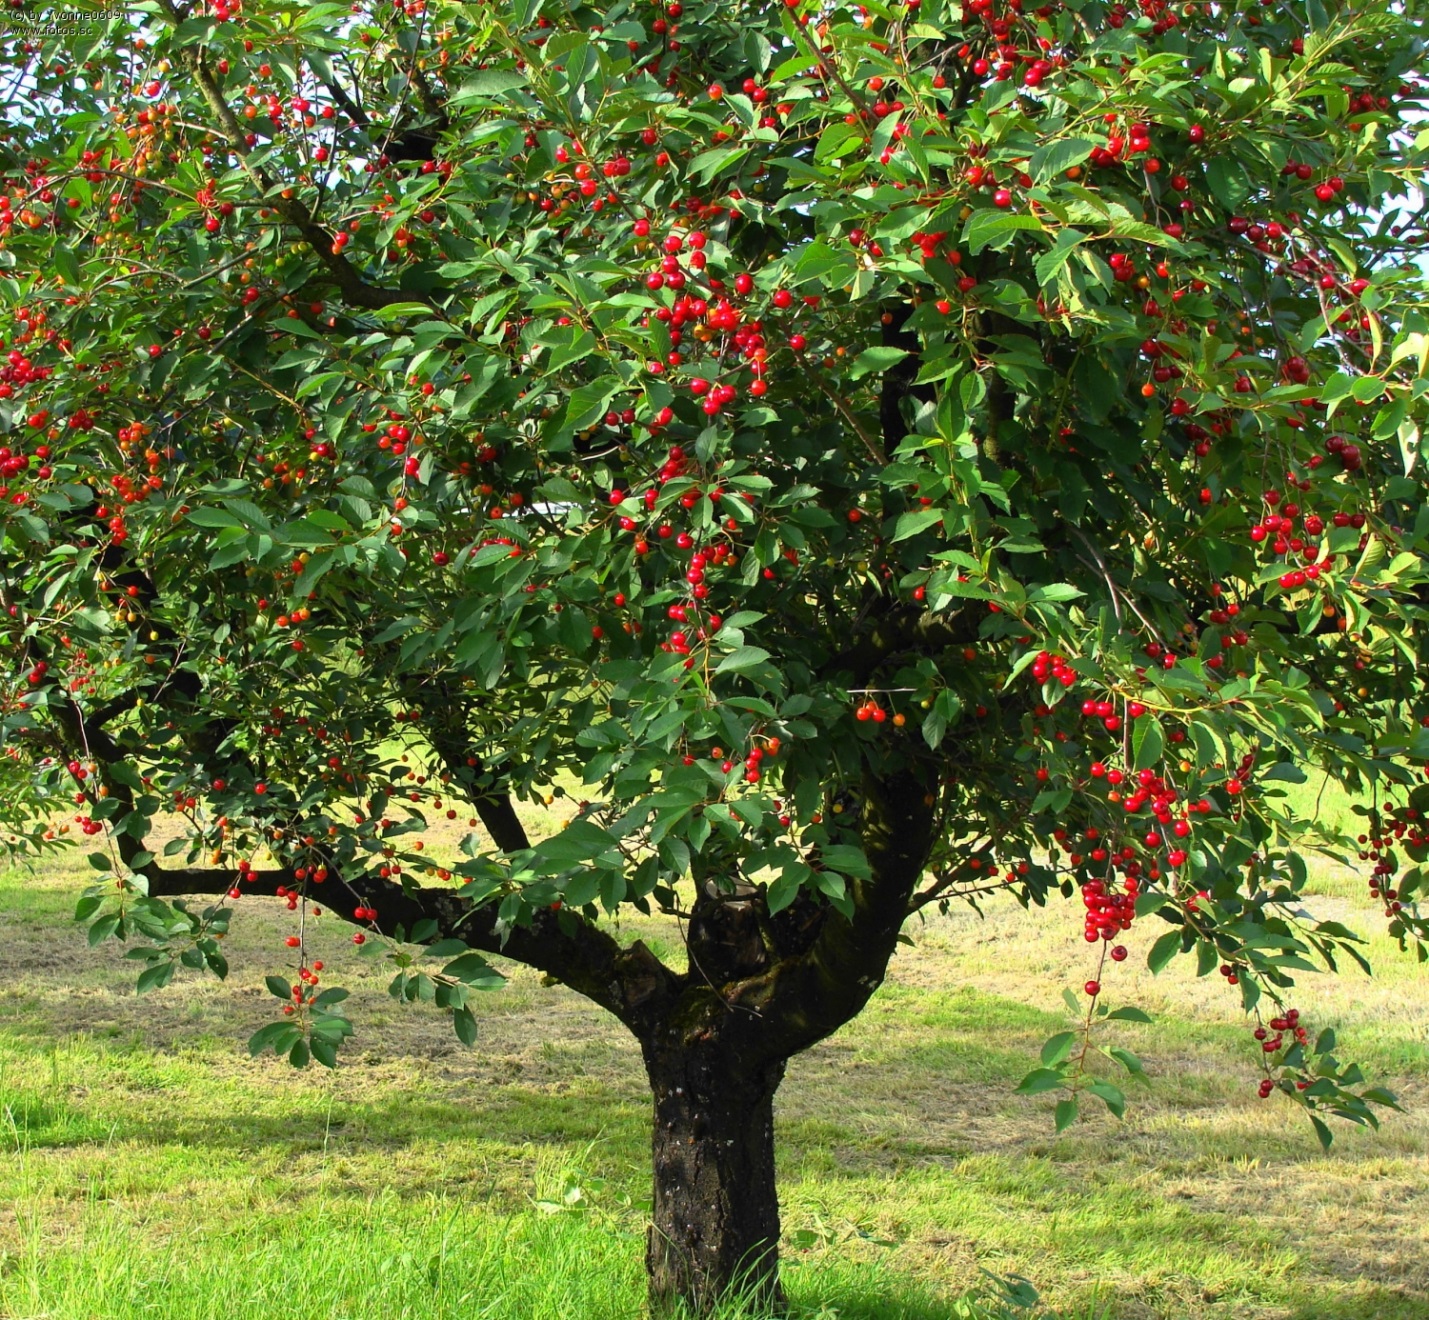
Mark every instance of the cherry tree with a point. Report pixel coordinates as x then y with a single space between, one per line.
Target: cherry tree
855 459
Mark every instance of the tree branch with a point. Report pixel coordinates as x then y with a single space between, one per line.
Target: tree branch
803 999
354 289
902 627
439 705
632 983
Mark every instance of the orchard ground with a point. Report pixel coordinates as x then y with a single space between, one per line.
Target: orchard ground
152 1167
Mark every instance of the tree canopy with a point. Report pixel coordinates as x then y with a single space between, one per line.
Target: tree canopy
886 455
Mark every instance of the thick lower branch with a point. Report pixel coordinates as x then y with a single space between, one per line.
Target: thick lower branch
631 983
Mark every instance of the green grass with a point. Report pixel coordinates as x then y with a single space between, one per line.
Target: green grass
149 1167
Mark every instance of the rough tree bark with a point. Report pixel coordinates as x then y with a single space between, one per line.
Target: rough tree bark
715 1224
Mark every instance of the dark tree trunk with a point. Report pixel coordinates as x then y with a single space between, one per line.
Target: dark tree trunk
715 1226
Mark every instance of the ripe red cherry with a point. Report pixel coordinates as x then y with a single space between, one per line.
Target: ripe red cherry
1093 988
1002 197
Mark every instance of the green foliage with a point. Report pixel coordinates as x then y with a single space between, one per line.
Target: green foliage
1047 432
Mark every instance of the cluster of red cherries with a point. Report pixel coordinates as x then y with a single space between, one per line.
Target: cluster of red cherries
1109 914
1273 1043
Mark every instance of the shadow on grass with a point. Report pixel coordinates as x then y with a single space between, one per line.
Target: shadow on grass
1369 1304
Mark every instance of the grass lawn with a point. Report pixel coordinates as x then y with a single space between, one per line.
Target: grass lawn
150 1168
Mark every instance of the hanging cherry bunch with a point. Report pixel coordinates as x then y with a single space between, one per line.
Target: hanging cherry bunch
1054 666
1108 913
1272 1042
1394 827
870 710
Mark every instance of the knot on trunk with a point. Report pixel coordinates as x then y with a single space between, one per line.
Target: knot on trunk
726 935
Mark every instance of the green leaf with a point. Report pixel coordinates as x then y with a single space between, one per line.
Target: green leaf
589 403
1040 1080
935 727
1128 1060
66 263
1057 157
279 988
847 859
212 518
580 841
1327 1138
986 226
1066 1113
1228 181
876 359
582 346
472 969
1058 1048
785 888
1147 742
160 974
445 949
1111 1095
1127 1015
395 311
488 84
87 907
277 1036
1049 263
1165 948
742 660
709 163
464 1020
1381 1097
915 521
836 140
